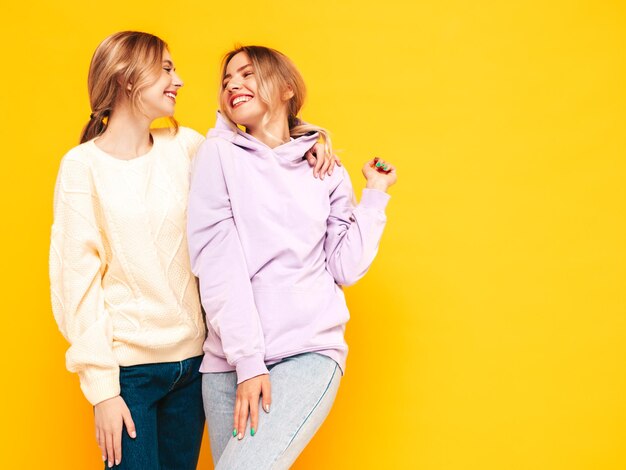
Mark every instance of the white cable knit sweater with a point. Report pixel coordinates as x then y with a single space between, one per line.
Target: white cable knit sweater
122 289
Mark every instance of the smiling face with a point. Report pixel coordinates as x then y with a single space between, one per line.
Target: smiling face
240 98
159 99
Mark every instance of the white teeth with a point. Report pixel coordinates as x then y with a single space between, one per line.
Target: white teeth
171 95
241 99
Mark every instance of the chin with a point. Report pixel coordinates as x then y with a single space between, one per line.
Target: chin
247 122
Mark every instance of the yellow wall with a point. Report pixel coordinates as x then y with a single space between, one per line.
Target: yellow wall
491 331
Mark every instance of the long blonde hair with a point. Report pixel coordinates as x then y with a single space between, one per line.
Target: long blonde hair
275 72
124 62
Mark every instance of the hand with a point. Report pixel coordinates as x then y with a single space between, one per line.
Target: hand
321 166
111 416
376 179
248 393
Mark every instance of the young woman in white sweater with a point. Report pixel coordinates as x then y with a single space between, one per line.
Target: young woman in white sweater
122 290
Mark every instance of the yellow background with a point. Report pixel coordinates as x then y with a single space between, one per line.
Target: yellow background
491 331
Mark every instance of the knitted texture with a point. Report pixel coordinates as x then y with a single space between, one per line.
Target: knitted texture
122 289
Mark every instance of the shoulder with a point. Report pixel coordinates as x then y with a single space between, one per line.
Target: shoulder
81 156
214 145
212 153
184 134
188 139
187 134
76 167
339 177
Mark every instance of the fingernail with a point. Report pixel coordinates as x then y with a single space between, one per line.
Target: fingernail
104 457
110 464
240 436
267 408
234 432
133 434
252 432
117 461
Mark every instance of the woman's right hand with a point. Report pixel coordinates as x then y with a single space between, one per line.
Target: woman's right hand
111 415
247 401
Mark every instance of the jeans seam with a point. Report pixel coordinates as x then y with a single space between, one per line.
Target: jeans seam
307 416
180 374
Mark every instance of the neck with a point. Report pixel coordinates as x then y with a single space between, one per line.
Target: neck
127 134
275 132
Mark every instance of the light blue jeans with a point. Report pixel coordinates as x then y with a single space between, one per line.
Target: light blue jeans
303 391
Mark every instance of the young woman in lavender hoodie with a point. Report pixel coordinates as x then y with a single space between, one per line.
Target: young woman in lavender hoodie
271 248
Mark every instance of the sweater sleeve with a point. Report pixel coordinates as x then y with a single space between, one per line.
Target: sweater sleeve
77 262
217 259
353 233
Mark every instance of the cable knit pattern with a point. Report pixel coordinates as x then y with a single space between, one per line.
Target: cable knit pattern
122 288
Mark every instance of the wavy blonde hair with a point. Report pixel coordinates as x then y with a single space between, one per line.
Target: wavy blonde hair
276 73
127 61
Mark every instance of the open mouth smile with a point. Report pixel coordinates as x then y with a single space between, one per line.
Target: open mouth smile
238 100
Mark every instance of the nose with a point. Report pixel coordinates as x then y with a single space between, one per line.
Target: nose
233 85
176 80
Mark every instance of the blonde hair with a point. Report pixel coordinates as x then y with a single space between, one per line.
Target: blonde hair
275 74
124 62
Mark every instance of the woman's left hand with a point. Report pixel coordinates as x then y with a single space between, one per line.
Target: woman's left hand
321 166
379 174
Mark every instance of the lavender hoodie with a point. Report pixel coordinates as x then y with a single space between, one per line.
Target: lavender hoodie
271 244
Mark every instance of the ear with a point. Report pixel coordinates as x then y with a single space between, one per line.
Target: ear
288 93
129 86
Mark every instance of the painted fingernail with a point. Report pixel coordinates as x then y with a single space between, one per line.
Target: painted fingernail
267 408
117 461
110 464
234 432
133 434
104 457
252 432
240 436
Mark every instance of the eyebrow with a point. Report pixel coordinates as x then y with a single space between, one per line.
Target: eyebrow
238 70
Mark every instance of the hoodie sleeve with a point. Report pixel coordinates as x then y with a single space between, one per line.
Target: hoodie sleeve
217 259
353 233
77 262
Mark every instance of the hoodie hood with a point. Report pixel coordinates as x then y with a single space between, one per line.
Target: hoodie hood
293 150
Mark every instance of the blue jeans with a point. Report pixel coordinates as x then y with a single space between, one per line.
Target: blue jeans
303 391
165 401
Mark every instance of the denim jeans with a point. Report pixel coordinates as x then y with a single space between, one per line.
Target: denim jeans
303 391
165 401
